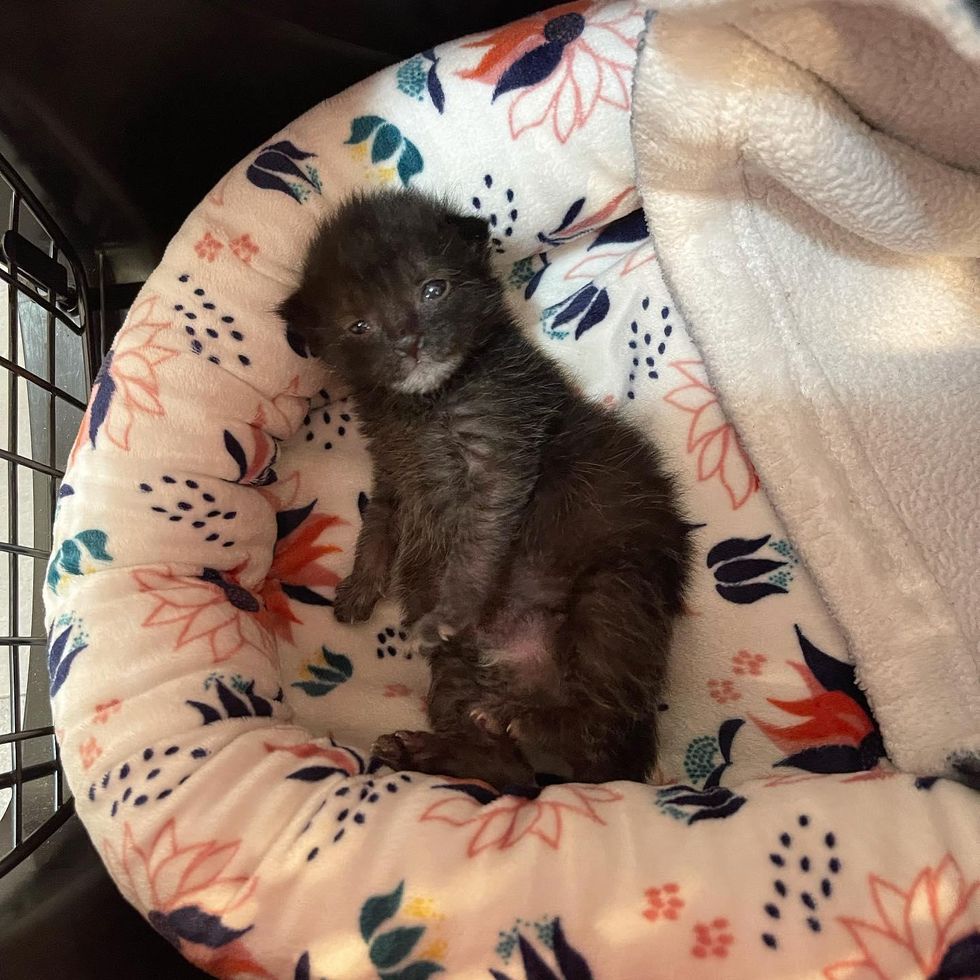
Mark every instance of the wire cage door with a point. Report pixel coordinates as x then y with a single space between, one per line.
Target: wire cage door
46 358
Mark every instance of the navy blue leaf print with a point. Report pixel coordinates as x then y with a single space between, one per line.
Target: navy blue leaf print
387 140
576 305
288 520
596 313
268 182
209 715
290 150
303 594
744 569
378 909
482 794
735 548
279 163
570 215
65 490
234 706
313 774
726 735
261 707
531 68
837 758
302 971
56 648
409 163
238 596
362 502
435 90
234 449
535 280
59 662
711 803
834 675
630 227
105 389
570 961
745 594
535 968
192 924
362 127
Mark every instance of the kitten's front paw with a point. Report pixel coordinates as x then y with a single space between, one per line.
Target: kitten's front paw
353 602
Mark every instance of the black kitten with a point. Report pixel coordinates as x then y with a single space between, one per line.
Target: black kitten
532 537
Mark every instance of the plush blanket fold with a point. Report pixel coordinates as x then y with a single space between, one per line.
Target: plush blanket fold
810 177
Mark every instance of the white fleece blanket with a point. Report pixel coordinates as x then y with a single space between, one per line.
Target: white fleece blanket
810 177
214 719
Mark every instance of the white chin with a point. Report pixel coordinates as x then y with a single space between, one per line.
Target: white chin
427 376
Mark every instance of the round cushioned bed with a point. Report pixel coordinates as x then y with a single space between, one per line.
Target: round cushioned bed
214 718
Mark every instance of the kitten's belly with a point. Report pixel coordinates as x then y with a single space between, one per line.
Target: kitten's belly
524 641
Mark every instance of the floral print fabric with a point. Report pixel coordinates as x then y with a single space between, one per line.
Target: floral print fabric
214 718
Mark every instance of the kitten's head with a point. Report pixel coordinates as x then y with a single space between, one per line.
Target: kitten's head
395 292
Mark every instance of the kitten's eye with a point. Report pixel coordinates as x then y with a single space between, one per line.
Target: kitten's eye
435 289
359 327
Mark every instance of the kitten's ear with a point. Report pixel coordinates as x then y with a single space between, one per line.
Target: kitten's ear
474 230
297 313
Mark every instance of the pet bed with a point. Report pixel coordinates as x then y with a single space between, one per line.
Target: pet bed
214 719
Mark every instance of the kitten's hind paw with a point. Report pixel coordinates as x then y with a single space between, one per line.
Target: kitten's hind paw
353 602
493 760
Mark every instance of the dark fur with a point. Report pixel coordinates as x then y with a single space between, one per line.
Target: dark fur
532 537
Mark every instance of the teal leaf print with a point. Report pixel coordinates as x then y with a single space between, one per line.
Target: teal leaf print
362 127
420 970
378 909
339 669
67 559
386 141
410 163
96 542
71 557
390 948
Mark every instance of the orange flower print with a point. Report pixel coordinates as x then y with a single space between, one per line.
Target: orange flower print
745 662
208 247
187 893
89 750
913 930
105 710
500 822
127 386
710 437
212 608
712 939
724 691
664 902
562 63
396 691
244 248
298 568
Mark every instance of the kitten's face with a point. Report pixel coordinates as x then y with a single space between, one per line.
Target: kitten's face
395 292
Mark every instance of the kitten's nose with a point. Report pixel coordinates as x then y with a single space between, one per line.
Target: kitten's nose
409 344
